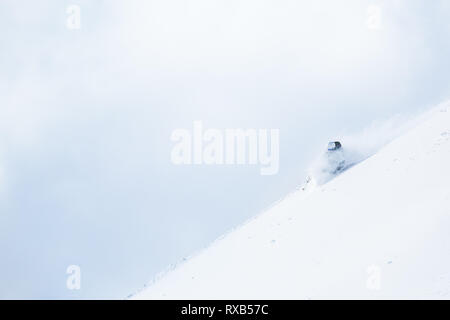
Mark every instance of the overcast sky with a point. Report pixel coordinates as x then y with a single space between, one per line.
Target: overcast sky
86 117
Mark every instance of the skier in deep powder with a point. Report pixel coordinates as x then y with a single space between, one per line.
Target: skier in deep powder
330 164
335 158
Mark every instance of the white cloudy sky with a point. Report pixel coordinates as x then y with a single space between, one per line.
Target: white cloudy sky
86 117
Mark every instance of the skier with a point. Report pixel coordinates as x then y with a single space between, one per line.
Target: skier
331 163
335 158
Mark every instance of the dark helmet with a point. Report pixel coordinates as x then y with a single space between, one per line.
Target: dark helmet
334 145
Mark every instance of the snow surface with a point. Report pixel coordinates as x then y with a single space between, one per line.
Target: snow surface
385 220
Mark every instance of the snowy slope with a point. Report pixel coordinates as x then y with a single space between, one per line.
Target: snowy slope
379 230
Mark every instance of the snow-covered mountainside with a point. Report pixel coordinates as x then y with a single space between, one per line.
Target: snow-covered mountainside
381 229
